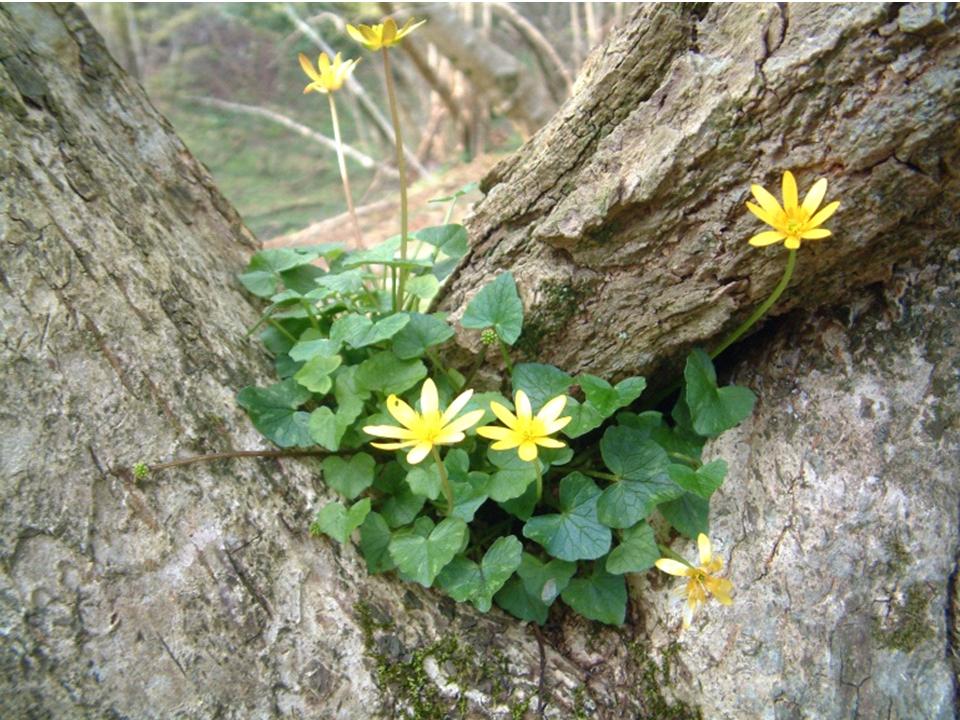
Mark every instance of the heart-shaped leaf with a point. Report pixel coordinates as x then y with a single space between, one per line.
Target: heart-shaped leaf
713 409
540 382
374 543
601 597
349 477
704 481
338 522
464 579
422 558
514 598
626 502
637 551
497 305
315 374
273 411
422 332
630 454
545 581
575 533
689 514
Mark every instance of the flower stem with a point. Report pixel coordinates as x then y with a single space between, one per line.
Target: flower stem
761 311
505 352
668 553
402 170
444 480
343 170
691 461
536 465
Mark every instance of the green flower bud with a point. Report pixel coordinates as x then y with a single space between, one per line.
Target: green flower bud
141 471
489 337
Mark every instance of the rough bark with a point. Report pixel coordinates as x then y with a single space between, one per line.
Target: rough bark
623 219
198 593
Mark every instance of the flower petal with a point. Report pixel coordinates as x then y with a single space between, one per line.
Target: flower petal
456 406
815 196
792 243
408 27
768 237
688 611
789 191
815 234
527 451
505 416
356 34
449 438
494 432
767 201
508 443
394 445
551 411
389 35
673 567
404 414
389 431
323 64
429 402
720 588
557 425
419 452
762 214
550 442
523 405
308 68
463 422
821 217
706 551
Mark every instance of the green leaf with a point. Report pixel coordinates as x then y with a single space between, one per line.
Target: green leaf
545 581
514 598
315 374
689 514
523 506
360 331
374 544
425 480
512 477
337 522
626 502
422 558
600 394
326 428
584 418
348 394
540 382
637 551
465 580
575 533
450 239
468 188
469 495
312 343
388 374
263 271
601 597
422 332
400 505
497 305
704 481
347 282
713 409
349 477
630 454
273 411
423 287
629 389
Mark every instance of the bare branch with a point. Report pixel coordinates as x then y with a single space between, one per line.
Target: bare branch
547 57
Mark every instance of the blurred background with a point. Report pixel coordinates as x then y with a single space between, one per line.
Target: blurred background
474 83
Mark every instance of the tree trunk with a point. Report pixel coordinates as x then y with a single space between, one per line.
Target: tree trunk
198 593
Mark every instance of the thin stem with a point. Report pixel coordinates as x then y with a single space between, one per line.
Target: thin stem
446 218
667 552
760 311
440 367
343 170
402 169
282 330
691 461
536 464
444 480
308 307
235 454
504 351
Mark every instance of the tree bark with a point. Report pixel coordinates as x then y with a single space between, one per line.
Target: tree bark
198 593
624 221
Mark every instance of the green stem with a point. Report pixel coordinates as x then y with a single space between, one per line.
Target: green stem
691 461
505 352
536 464
444 480
402 170
281 329
668 553
308 307
343 171
761 311
440 367
236 454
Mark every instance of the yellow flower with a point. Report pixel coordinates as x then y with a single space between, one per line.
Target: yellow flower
330 77
792 222
702 580
382 35
524 431
427 428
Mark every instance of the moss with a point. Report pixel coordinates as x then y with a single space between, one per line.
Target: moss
906 626
899 556
653 679
561 301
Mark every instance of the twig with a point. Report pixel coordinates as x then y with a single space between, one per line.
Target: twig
232 454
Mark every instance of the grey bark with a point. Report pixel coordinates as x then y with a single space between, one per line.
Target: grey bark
198 593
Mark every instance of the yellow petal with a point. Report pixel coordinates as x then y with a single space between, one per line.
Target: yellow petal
557 425
551 411
815 196
720 588
388 431
522 402
419 452
356 34
816 234
767 201
508 443
429 402
706 551
408 27
789 191
792 243
308 68
323 64
403 413
768 237
761 213
673 567
688 611
505 416
389 32
821 217
527 451
494 432
309 88
462 423
449 438
456 406
393 445
373 36
550 442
